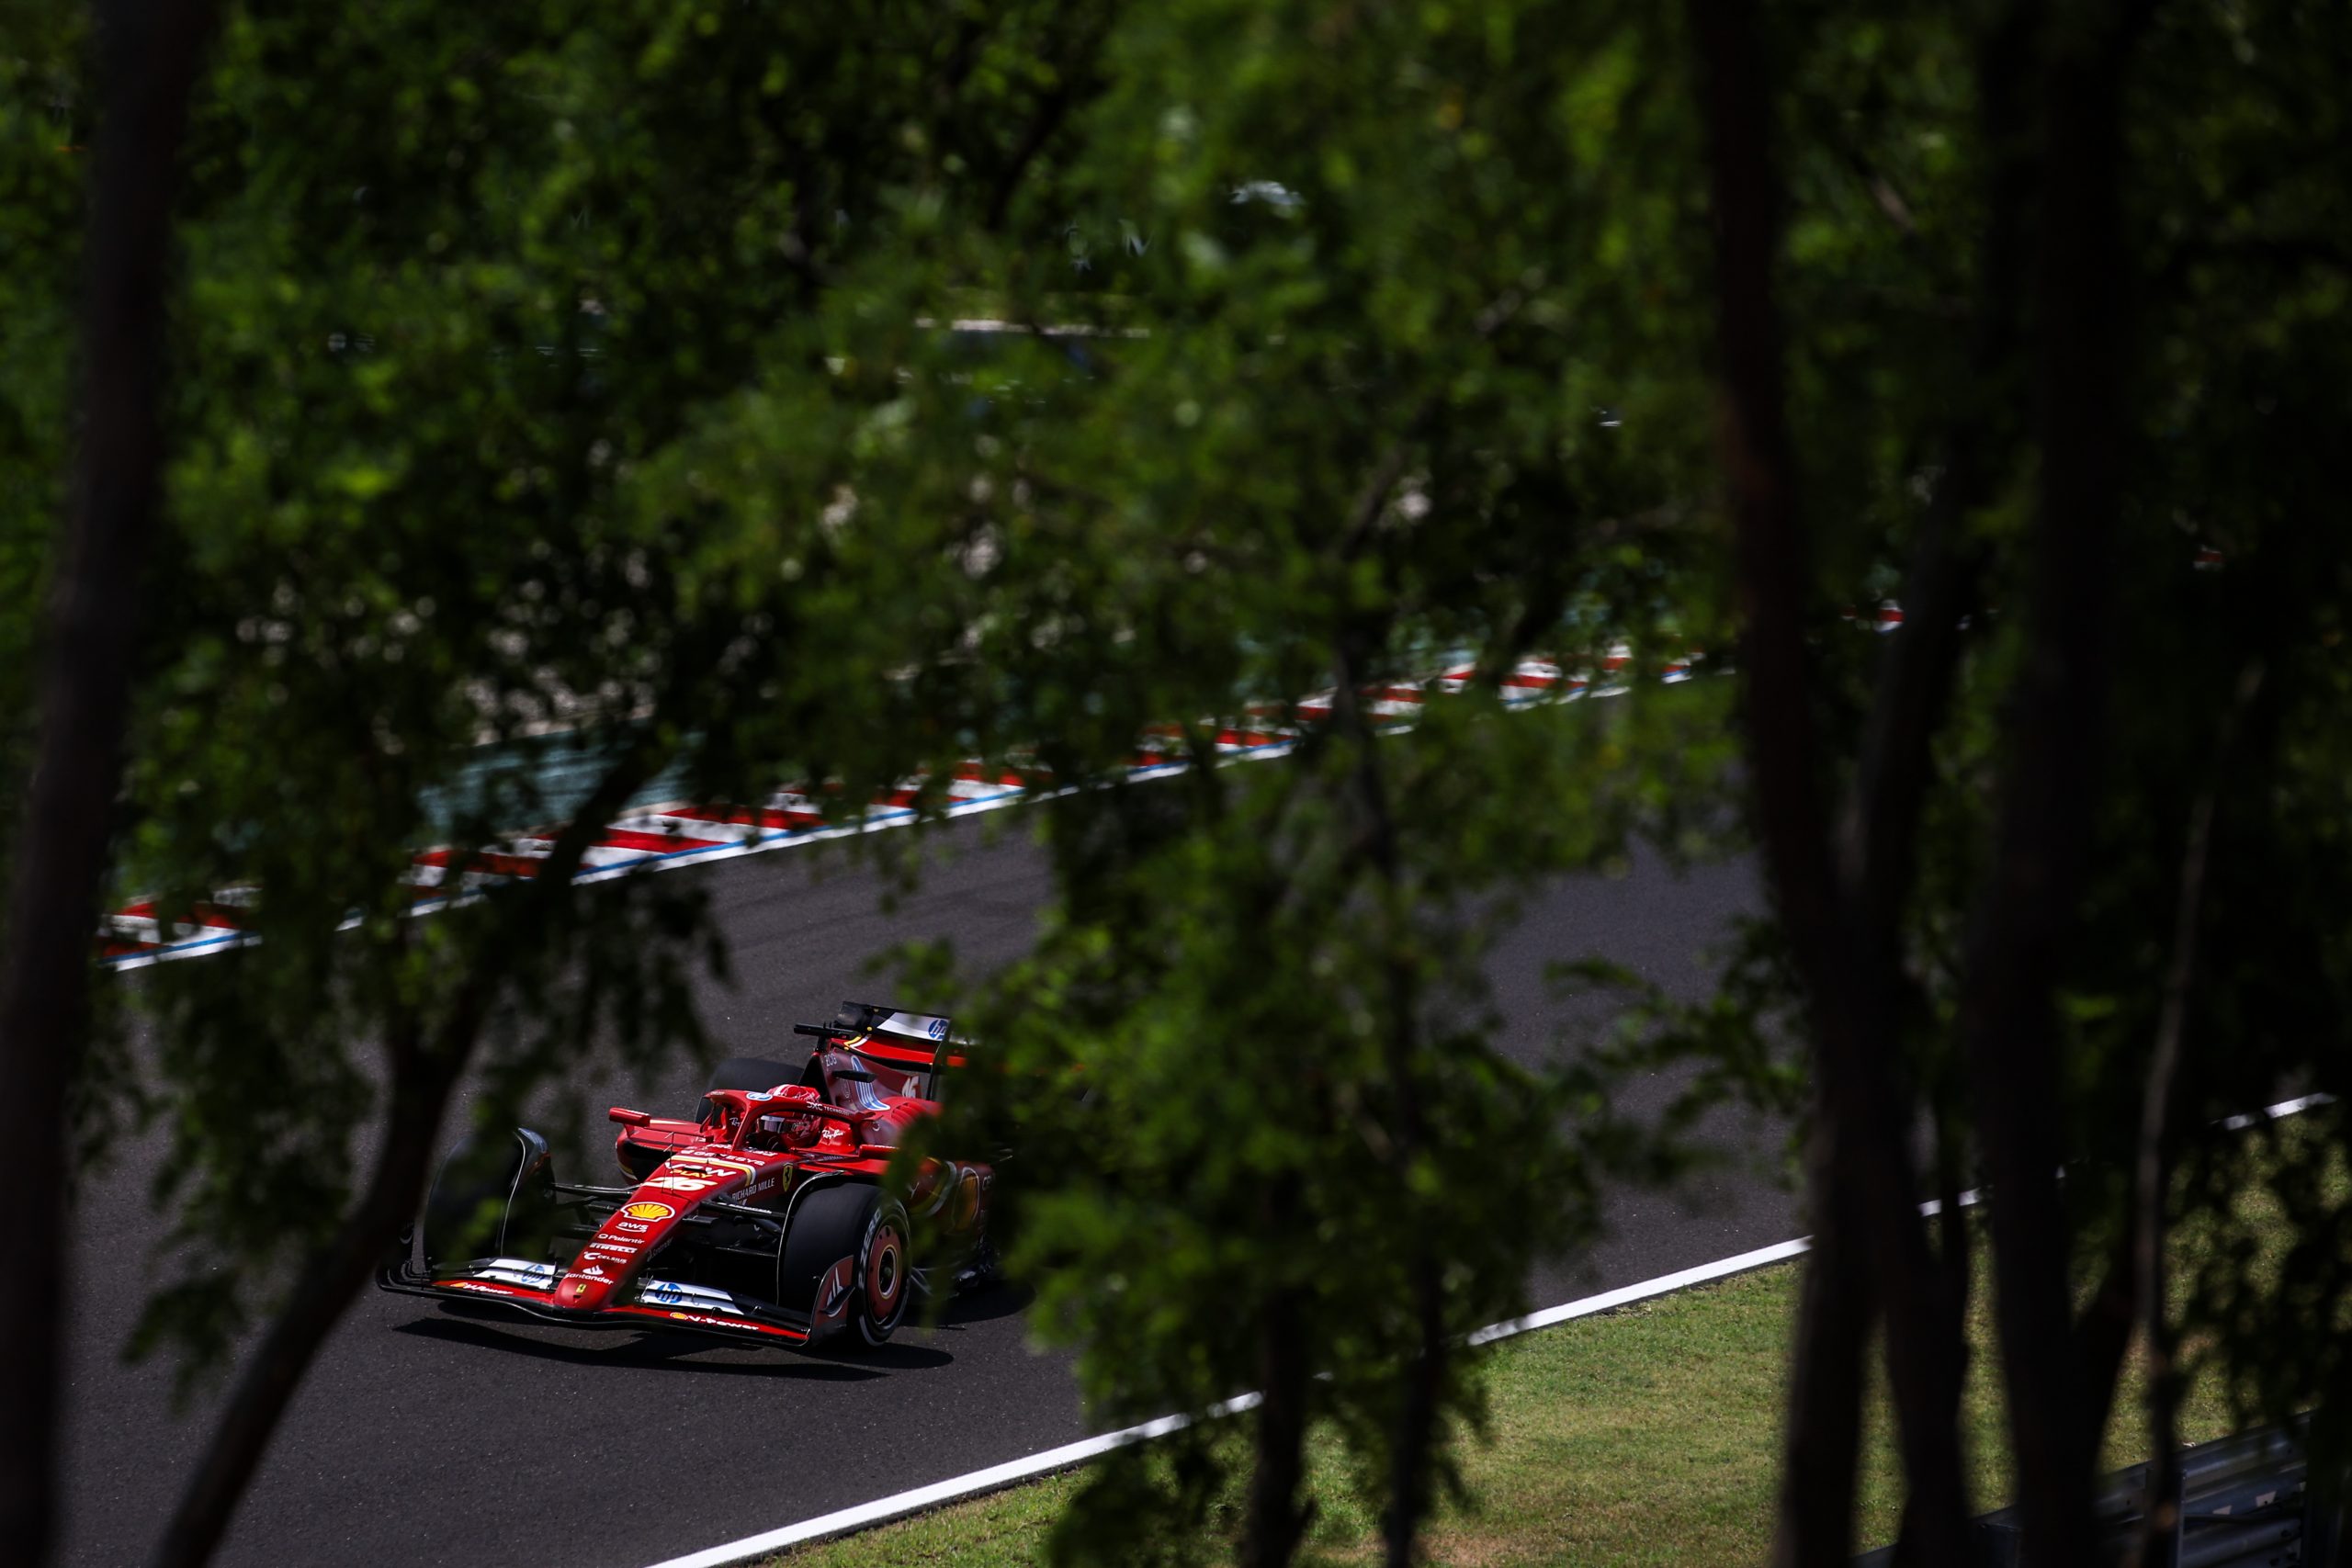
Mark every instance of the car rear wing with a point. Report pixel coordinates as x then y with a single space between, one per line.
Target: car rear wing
870 1018
915 1047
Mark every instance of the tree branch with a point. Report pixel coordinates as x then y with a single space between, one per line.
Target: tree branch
2163 1508
151 53
423 1077
423 1074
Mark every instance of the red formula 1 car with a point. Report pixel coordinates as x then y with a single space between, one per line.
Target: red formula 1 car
764 1218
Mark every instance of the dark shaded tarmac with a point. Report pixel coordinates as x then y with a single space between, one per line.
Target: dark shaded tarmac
422 1438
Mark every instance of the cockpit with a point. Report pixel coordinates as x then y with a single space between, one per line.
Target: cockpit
775 1120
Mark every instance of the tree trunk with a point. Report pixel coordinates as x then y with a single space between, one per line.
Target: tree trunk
1275 1521
2162 1512
1834 1319
1858 1098
421 1080
1409 1486
1956 1277
2102 1334
1414 1441
2007 1022
150 54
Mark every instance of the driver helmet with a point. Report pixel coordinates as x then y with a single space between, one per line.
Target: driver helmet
781 1125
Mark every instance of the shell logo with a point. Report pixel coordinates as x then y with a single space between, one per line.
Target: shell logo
649 1210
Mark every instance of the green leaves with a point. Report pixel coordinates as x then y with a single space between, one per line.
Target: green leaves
753 394
540 369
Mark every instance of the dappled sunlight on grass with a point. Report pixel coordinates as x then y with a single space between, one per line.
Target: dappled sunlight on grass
1649 1435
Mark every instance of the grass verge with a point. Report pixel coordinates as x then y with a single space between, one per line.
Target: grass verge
1649 1435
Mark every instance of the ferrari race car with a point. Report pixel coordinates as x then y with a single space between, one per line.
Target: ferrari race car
763 1218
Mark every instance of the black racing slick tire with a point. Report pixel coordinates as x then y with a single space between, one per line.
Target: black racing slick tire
494 1196
858 1223
745 1072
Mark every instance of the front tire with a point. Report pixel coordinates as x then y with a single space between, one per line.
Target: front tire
845 1261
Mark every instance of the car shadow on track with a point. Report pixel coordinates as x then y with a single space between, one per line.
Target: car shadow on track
987 1304
673 1352
873 1360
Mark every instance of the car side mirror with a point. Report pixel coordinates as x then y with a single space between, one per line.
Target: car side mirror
628 1117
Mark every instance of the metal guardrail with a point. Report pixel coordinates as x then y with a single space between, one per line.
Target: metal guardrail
2245 1503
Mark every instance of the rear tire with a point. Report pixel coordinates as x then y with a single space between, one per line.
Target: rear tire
494 1196
856 1222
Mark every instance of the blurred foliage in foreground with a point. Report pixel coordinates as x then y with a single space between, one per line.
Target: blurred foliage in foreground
759 393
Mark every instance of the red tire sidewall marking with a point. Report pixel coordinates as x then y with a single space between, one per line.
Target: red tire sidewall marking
885 1271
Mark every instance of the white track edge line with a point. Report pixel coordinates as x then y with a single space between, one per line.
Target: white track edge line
876 821
997 1477
1626 1295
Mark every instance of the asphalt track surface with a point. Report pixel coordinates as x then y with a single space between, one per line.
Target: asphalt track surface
421 1437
